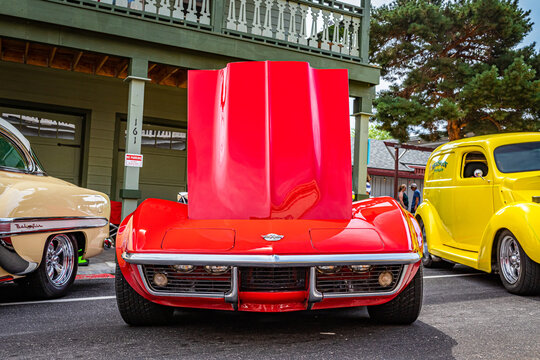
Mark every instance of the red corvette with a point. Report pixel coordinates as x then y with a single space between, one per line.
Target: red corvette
269 226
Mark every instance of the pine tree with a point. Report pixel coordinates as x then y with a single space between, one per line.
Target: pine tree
454 68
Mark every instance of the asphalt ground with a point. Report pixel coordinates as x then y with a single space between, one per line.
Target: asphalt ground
466 315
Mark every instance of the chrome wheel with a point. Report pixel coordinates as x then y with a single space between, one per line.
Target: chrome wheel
510 259
60 260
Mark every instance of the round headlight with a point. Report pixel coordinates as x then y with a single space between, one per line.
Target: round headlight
386 278
328 269
160 279
216 269
184 268
360 268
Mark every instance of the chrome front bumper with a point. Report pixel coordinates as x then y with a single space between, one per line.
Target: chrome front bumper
270 260
236 261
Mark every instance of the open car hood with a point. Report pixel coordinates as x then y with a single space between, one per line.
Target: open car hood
269 140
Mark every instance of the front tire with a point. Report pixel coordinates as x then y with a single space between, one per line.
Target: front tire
519 274
136 310
404 308
57 270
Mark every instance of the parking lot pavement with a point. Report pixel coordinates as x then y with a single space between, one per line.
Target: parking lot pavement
466 315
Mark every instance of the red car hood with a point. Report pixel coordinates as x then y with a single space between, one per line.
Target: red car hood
269 140
176 233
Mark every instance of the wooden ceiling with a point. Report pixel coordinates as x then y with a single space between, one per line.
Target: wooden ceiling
55 57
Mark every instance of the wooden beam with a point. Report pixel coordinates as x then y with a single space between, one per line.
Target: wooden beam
76 61
169 74
123 67
182 79
51 57
101 63
151 67
26 49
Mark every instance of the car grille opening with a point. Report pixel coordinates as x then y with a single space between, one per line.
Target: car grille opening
273 279
346 281
196 281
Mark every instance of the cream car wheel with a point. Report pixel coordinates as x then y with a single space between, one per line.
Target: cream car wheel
57 270
59 260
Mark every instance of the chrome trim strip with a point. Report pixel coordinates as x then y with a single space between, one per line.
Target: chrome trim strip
270 260
232 296
314 294
392 292
19 226
229 296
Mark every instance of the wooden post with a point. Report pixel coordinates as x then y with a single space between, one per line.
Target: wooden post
137 76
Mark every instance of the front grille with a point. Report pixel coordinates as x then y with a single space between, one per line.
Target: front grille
346 281
273 279
197 281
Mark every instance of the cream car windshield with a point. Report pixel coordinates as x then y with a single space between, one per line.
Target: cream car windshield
518 157
10 157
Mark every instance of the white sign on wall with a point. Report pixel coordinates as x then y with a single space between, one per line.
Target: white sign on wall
133 160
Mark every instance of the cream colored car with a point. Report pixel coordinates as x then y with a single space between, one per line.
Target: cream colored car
45 223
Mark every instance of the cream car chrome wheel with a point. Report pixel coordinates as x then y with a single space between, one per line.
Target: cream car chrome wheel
510 259
60 260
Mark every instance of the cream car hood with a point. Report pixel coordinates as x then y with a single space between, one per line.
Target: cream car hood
25 195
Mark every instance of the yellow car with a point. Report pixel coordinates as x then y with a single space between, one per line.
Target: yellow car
482 207
45 223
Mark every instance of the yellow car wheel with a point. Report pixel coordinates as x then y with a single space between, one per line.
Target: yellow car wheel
519 274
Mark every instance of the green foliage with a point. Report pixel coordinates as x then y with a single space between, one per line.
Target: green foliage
375 132
453 66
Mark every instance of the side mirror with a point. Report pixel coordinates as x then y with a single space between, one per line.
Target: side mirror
478 173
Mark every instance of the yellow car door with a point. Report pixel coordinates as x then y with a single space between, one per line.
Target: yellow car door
473 198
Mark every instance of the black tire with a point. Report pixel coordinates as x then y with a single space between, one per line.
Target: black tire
40 283
404 308
135 309
527 281
427 258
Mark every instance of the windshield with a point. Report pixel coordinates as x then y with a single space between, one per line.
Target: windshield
518 157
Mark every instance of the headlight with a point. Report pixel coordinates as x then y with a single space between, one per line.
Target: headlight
328 269
183 268
216 269
386 278
360 268
160 280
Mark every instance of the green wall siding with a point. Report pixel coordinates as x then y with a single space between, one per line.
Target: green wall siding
101 98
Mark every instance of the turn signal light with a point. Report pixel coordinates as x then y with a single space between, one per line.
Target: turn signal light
160 279
386 278
328 269
360 268
216 269
184 268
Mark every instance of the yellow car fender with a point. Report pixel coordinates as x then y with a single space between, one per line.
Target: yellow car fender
436 232
522 220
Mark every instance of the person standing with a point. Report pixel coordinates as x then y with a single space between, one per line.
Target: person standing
416 199
403 199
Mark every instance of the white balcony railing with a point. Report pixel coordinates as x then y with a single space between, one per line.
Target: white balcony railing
327 25
330 27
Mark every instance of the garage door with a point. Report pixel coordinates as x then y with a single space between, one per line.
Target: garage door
55 139
163 173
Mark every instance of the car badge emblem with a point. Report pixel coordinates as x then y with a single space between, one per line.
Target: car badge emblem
272 237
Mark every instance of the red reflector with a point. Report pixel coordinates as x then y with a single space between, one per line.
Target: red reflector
6 278
7 240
